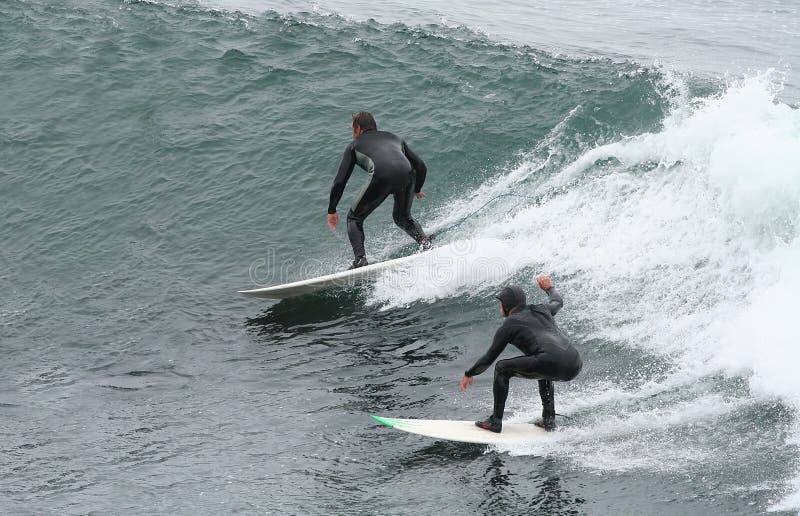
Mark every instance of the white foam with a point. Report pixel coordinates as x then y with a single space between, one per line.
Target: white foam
616 442
686 247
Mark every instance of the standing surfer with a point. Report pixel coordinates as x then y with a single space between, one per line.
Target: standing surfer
548 354
393 169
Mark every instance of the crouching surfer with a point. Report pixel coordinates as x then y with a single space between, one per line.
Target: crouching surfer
548 354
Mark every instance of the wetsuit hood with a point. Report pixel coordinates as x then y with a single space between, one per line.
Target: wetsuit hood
511 297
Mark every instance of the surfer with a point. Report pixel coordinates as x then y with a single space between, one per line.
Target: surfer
393 169
548 354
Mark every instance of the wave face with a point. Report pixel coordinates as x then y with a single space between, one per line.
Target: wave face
154 153
729 38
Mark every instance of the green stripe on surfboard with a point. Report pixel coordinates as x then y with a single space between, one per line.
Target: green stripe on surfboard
388 421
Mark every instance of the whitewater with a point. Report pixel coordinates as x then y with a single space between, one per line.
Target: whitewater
682 243
160 156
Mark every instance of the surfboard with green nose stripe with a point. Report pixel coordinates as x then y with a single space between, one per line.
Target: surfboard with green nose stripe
466 431
388 421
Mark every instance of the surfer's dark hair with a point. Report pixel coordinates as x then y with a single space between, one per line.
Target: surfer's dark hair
365 121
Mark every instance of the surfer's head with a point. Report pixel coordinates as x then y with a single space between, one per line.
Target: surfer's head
363 121
510 298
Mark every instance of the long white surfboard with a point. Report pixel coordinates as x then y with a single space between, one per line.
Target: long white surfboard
466 431
337 279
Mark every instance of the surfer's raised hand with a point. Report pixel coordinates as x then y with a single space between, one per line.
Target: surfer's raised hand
544 282
465 382
333 220
420 195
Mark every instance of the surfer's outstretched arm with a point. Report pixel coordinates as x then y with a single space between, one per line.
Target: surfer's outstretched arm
420 170
499 343
555 300
345 169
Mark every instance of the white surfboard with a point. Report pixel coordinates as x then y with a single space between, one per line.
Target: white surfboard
466 431
338 279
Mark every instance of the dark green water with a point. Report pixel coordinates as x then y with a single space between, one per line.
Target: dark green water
152 157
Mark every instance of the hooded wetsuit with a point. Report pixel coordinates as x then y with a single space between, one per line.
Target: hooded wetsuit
393 169
548 354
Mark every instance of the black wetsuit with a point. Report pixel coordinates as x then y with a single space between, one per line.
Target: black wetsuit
548 354
394 169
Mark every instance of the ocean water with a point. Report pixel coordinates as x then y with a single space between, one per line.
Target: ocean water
156 157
